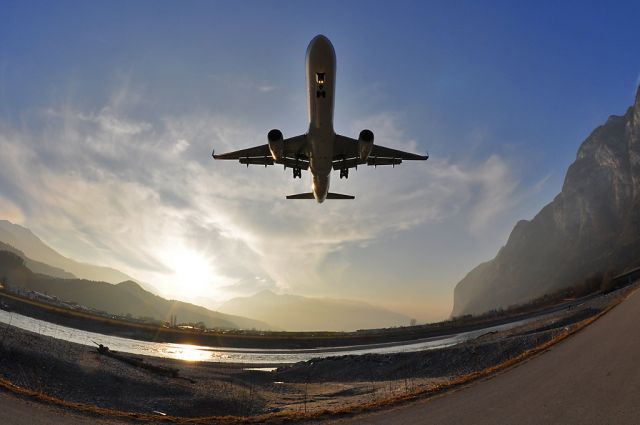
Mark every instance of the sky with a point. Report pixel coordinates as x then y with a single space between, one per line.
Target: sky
109 111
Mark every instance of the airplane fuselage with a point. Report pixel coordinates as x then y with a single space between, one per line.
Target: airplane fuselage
321 85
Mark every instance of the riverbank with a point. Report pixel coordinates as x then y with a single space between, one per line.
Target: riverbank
79 374
258 339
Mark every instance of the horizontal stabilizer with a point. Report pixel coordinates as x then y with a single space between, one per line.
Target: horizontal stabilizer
339 196
309 195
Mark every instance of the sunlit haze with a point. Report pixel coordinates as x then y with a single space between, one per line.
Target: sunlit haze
109 112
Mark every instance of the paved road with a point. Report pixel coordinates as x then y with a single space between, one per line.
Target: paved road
592 377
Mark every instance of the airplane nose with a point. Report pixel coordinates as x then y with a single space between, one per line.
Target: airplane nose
320 39
321 43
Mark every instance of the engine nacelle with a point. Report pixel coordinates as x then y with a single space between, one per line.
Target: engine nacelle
276 144
365 144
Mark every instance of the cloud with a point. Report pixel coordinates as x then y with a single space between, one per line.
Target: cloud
110 188
496 187
266 88
9 211
242 82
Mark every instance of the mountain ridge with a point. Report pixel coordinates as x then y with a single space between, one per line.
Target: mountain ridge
591 226
297 313
122 298
24 240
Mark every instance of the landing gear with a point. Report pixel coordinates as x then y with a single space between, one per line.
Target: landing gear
297 172
344 173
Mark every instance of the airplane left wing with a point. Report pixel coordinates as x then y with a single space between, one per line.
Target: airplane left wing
293 150
255 152
346 154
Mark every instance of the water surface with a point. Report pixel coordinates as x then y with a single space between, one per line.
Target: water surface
235 355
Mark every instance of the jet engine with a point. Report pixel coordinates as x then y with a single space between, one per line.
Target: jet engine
276 144
365 144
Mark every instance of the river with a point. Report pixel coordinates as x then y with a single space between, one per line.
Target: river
235 355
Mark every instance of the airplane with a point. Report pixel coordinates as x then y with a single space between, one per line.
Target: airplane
320 150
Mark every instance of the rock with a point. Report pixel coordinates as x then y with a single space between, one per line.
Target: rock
593 225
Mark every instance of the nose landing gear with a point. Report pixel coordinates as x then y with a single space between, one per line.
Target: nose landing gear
344 173
297 172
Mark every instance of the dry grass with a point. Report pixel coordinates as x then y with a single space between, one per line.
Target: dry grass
282 417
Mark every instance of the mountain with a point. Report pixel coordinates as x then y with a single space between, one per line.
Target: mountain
37 266
297 313
592 226
122 298
32 247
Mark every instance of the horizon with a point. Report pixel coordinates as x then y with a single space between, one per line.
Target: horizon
109 113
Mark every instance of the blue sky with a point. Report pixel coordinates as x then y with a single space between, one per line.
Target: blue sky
109 111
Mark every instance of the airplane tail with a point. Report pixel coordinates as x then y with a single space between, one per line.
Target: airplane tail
330 195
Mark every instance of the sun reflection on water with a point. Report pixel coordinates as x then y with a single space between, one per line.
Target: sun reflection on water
191 353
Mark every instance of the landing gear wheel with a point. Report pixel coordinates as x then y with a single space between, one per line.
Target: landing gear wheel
344 173
297 173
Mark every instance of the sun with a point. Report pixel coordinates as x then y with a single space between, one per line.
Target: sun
191 270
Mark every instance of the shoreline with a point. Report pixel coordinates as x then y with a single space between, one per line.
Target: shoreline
72 372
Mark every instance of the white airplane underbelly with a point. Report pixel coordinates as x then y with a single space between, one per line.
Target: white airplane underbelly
321 75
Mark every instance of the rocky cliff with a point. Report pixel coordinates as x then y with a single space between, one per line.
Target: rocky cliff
593 225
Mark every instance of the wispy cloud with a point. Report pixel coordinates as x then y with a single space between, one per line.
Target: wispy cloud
109 188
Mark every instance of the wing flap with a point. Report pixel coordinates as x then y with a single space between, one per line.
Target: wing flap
375 161
267 160
346 163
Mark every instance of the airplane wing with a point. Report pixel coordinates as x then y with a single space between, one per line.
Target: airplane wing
346 154
294 154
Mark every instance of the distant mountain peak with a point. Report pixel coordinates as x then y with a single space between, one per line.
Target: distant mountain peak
301 313
131 284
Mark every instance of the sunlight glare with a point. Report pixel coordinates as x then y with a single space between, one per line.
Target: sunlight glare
192 271
190 353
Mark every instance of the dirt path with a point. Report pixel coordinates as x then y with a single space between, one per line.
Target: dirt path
18 411
591 378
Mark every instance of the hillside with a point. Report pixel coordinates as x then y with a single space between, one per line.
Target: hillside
37 266
122 298
297 313
32 247
592 226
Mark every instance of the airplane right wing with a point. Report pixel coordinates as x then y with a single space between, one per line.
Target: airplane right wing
346 154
